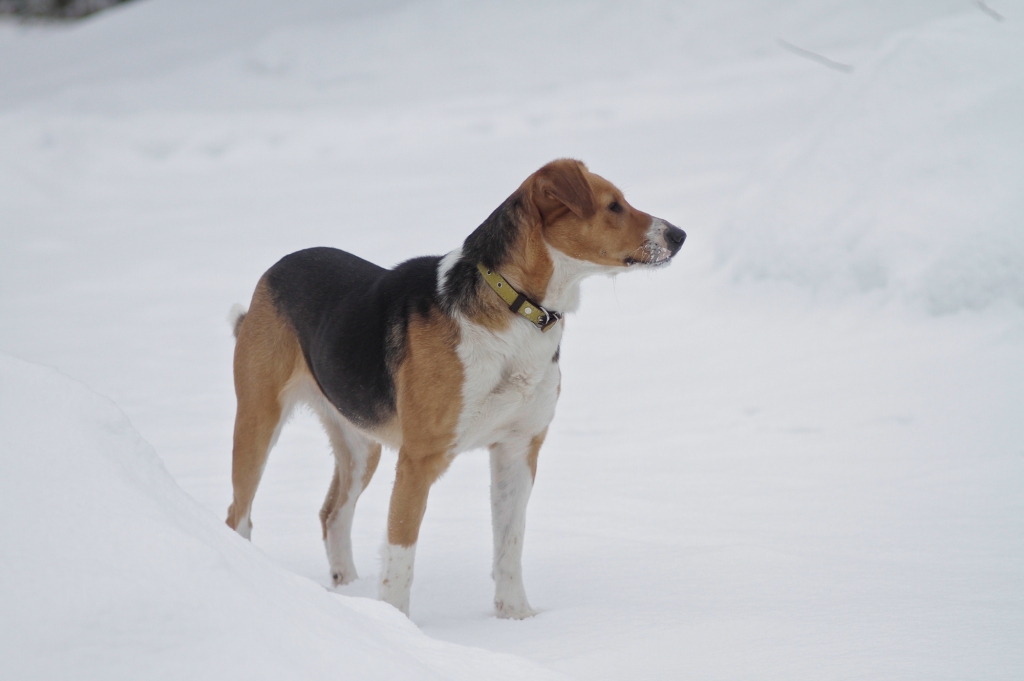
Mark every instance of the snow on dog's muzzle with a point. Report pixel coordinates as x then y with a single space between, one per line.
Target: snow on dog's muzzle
663 241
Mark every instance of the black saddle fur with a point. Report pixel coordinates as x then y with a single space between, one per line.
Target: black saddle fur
351 316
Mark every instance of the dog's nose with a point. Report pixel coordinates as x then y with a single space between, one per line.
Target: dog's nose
674 237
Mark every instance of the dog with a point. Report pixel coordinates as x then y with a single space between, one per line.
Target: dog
437 356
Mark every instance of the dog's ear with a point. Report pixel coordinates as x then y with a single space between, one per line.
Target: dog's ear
562 185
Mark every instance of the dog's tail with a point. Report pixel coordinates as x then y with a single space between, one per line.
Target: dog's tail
236 317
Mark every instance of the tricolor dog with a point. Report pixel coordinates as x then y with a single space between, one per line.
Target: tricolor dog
437 356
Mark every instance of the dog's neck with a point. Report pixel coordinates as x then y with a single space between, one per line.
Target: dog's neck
563 290
511 242
544 275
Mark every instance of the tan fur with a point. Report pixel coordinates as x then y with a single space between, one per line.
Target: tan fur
564 184
601 236
529 268
569 210
429 401
491 313
267 358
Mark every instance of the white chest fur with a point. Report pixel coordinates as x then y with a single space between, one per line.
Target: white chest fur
510 382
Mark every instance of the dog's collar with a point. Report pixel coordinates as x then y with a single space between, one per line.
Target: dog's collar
517 302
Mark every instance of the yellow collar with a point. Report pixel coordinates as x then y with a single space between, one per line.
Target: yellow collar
517 302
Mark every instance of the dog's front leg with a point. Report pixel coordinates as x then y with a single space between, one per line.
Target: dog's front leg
513 469
413 478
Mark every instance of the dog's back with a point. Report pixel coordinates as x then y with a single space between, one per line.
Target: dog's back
349 316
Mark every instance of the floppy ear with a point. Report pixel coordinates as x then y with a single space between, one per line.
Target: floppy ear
562 184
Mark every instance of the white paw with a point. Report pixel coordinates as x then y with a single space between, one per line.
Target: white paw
344 574
513 610
396 593
396 575
400 601
245 528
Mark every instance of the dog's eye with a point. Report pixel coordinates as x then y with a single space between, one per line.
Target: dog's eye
616 207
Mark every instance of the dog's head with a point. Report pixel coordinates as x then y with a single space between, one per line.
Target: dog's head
562 224
586 217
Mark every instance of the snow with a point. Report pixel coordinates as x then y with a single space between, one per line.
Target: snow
908 181
111 571
798 453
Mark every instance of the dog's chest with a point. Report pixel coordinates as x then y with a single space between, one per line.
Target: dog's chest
510 383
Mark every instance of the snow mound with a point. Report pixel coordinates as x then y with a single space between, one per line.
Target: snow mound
108 570
909 184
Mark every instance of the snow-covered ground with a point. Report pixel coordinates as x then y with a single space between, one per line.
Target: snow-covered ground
110 571
798 453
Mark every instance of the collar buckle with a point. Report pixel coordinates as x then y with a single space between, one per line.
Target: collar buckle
548 320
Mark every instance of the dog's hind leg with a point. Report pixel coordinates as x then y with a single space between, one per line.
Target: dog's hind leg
267 360
355 460
513 469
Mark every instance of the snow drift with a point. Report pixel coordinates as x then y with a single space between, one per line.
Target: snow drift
909 182
110 571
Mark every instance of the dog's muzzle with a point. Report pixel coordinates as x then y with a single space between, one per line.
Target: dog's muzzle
662 242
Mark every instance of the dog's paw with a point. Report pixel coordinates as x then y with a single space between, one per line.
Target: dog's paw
508 609
343 569
343 576
396 597
396 575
